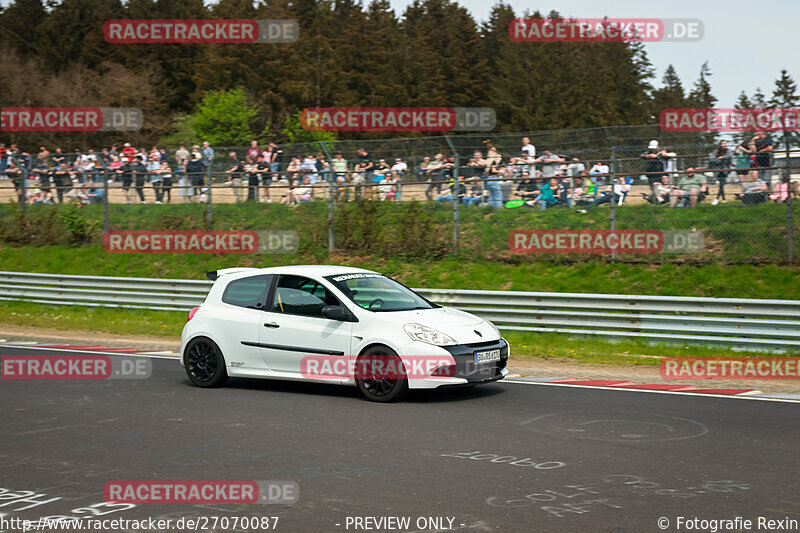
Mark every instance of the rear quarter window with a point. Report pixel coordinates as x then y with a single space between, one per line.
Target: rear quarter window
248 292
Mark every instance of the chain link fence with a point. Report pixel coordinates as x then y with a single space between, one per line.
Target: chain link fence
464 194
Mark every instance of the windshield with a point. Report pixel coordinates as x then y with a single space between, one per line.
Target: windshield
378 293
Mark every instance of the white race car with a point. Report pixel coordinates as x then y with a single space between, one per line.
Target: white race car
335 324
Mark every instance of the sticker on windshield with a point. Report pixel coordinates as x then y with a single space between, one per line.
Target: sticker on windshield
346 277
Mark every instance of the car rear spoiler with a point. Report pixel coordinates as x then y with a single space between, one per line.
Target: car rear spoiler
215 274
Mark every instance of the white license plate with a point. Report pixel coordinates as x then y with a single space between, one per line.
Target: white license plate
488 356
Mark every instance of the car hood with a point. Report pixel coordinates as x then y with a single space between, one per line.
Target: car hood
461 326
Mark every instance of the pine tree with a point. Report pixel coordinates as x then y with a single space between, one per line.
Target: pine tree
785 96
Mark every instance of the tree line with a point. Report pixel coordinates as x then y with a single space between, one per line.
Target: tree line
53 53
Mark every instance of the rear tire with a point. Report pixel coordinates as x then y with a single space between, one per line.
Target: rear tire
205 364
380 375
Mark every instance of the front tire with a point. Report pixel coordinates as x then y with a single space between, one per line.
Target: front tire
380 375
205 364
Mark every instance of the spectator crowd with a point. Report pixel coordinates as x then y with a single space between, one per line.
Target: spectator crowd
486 178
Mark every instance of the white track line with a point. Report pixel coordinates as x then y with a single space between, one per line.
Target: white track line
151 355
679 393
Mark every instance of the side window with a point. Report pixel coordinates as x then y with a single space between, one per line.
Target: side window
296 295
248 292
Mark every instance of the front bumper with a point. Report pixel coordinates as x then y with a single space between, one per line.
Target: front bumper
463 370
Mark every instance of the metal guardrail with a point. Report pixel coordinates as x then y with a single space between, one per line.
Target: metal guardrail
772 325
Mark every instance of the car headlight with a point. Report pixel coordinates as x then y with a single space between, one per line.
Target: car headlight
418 332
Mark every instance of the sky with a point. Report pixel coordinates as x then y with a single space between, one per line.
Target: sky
746 42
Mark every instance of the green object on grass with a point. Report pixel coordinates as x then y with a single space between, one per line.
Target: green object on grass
515 203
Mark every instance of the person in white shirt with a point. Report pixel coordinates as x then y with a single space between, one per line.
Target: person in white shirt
528 148
575 169
399 167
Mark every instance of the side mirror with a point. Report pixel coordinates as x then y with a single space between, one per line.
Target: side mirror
337 312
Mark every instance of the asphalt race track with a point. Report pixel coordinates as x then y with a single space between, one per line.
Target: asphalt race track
502 457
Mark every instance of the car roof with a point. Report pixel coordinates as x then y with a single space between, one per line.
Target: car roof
301 270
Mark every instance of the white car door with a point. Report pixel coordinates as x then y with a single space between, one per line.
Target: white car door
238 319
293 327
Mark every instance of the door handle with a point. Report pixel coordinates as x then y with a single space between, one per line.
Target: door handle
272 325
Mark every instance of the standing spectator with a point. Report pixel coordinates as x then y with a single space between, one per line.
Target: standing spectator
422 171
743 161
60 180
764 148
163 156
235 178
139 174
434 172
323 167
364 169
208 155
43 155
493 157
721 159
476 166
308 168
182 155
263 176
549 160
276 159
492 184
128 151
254 151
575 169
339 166
3 160
689 185
528 148
114 151
654 162
196 172
154 173
125 172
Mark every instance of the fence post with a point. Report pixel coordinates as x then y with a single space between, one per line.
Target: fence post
105 200
331 202
454 192
790 224
789 221
613 179
209 208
